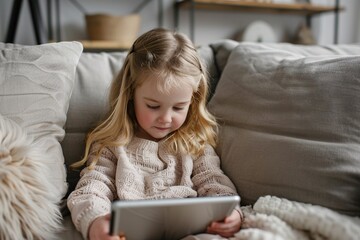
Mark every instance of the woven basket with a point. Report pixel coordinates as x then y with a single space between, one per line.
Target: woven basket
122 29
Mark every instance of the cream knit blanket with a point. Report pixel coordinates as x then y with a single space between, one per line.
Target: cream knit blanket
279 218
273 218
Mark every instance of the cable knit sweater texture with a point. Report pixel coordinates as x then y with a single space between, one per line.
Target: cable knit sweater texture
144 170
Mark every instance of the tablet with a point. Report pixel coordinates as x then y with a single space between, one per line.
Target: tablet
168 218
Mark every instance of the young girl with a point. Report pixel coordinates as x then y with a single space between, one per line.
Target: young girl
157 140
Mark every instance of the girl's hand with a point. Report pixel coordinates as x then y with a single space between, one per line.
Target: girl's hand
99 229
229 226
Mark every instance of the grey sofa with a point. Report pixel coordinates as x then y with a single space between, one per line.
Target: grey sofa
289 114
289 120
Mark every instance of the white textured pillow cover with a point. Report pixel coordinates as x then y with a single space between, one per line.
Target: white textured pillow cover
36 83
28 200
290 126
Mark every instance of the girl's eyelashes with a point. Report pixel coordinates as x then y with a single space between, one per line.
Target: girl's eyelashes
157 107
152 106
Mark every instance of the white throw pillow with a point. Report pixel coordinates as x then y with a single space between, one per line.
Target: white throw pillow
36 83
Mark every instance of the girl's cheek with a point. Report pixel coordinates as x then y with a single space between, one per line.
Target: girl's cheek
181 122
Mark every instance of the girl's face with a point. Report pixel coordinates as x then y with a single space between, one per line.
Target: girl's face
159 113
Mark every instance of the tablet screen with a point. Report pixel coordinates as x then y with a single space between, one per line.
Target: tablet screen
168 218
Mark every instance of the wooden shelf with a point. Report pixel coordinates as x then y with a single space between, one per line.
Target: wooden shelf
304 9
104 45
252 6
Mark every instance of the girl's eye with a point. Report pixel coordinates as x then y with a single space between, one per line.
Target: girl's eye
152 107
178 108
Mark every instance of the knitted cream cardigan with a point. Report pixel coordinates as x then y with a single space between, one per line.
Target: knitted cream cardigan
144 170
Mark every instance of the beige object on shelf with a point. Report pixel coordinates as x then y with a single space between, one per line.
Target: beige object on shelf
258 31
120 29
304 36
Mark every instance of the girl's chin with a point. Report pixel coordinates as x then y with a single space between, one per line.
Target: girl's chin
153 136
157 137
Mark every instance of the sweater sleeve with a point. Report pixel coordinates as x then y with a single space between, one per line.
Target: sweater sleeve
94 192
208 178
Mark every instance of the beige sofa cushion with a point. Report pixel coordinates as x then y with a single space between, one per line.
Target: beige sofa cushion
88 104
223 48
290 126
36 83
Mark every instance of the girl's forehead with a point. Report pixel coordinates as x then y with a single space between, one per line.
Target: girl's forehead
177 94
160 86
167 82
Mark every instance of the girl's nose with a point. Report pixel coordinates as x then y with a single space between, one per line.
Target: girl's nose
165 117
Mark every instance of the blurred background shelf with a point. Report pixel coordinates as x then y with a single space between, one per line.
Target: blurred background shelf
252 6
96 45
43 30
307 9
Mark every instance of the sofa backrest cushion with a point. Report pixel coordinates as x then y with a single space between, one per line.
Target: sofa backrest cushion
223 48
88 103
290 125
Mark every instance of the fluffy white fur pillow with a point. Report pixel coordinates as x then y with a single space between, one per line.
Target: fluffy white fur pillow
29 207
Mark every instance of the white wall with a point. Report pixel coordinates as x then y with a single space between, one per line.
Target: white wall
323 25
358 29
209 25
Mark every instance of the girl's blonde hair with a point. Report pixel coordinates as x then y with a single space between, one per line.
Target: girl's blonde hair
173 58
